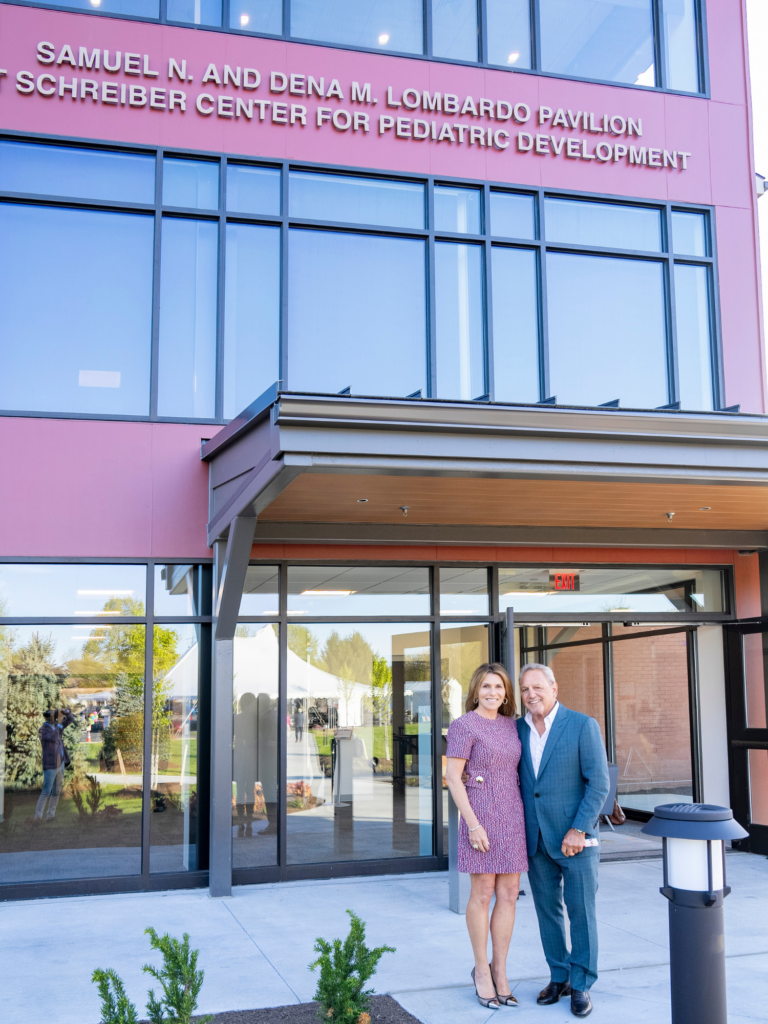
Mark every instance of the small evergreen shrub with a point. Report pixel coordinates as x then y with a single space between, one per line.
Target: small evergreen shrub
116 1008
344 969
180 980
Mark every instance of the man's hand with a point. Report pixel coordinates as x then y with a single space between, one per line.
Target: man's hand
573 843
465 776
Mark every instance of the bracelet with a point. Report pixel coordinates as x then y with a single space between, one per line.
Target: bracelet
475 828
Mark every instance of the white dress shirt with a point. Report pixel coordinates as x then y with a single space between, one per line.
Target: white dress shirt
539 742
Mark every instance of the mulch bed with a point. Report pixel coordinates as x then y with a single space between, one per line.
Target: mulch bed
384 1010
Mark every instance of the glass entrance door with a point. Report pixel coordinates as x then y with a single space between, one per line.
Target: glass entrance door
746 646
637 683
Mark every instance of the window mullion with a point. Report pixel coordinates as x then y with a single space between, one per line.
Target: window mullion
156 284
146 802
222 285
431 296
544 377
673 387
660 78
490 378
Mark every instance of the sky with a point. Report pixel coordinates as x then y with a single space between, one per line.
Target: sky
757 29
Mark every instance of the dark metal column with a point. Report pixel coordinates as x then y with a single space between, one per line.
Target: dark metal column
230 566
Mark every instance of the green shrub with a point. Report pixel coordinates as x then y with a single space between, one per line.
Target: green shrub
115 1005
344 969
180 980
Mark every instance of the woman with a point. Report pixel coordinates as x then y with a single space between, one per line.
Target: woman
492 829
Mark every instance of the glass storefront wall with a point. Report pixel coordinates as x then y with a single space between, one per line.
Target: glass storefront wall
84 774
606 41
340 672
296 283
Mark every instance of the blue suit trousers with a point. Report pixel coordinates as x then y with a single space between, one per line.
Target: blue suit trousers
572 880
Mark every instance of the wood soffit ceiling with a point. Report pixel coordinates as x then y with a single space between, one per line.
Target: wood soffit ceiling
477 501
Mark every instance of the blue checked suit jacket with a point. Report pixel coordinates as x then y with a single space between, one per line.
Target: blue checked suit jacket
572 784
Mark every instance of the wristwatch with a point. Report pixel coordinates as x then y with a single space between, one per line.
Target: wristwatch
580 831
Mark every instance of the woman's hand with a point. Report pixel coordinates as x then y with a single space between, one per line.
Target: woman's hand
479 840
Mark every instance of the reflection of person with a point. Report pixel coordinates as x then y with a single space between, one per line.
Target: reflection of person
298 724
55 760
564 782
492 830
245 762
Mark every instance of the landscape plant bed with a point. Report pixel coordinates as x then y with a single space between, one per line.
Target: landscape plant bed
384 1010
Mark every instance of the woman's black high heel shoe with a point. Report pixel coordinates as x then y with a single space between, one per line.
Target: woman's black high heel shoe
503 1000
489 1004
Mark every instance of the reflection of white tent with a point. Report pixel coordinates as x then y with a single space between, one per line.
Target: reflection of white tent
256 671
184 675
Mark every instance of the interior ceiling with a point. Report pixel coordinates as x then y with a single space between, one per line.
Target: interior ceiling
467 501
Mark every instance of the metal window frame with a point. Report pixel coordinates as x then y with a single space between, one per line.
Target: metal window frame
427 55
428 233
144 880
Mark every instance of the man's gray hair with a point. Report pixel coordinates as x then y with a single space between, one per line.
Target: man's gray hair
534 666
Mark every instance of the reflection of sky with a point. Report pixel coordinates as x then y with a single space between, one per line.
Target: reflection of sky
543 602
167 603
51 590
378 634
464 604
69 640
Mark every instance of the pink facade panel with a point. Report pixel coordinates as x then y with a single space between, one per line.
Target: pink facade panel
95 488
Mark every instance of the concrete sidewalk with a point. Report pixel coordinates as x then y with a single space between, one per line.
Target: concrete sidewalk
255 947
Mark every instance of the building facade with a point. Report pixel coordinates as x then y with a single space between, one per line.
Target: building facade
345 346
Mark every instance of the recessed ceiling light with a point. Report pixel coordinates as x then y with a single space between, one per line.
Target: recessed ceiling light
362 501
705 508
328 593
383 38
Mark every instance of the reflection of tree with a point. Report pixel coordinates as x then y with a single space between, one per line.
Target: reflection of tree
381 696
303 643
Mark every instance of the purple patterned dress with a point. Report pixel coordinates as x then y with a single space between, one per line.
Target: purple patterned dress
492 750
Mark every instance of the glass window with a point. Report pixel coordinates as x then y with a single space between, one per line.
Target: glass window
261 591
681 44
463 646
254 749
396 25
83 349
578 670
689 234
346 199
463 591
191 183
357 314
602 224
195 12
509 32
72 717
459 315
76 173
251 314
173 825
139 8
755 655
758 787
253 189
183 589
598 39
188 313
457 209
587 365
650 675
543 589
454 29
357 590
51 591
512 216
359 747
515 325
257 16
694 342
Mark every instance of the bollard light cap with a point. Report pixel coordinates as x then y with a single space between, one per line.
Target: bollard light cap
694 821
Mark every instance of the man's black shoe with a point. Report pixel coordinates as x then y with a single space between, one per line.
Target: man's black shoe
555 990
581 1004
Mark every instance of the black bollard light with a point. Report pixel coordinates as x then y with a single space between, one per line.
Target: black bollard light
694 883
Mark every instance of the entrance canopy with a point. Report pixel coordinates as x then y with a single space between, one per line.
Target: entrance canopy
348 469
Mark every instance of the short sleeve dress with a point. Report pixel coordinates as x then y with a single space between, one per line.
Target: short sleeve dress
492 751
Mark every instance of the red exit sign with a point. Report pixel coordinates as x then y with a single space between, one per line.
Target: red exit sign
564 579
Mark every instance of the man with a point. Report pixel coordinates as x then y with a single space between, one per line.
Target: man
564 784
55 760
